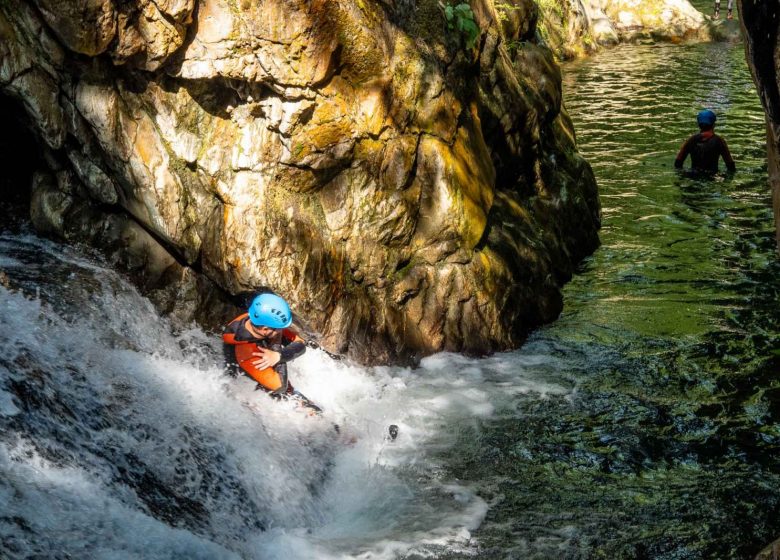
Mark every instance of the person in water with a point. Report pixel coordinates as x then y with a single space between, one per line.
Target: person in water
260 343
705 147
730 13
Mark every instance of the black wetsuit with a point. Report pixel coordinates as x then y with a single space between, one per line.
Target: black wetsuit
705 148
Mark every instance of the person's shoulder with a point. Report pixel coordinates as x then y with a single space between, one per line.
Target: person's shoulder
234 325
291 334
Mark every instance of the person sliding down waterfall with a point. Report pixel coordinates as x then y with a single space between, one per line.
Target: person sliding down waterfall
260 343
705 148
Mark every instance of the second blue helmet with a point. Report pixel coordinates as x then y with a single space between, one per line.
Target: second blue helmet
706 118
270 310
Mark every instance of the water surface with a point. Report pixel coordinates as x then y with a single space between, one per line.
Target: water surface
665 444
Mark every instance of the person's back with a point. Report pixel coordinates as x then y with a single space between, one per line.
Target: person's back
705 148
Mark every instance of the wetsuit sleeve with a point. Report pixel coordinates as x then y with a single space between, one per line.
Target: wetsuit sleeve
293 346
229 332
726 155
228 349
685 149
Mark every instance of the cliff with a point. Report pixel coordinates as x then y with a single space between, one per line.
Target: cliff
761 29
406 191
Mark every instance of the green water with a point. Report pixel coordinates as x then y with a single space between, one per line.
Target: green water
666 444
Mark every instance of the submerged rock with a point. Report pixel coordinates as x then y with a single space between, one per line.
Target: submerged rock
406 193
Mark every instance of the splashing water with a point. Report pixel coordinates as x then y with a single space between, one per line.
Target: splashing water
122 437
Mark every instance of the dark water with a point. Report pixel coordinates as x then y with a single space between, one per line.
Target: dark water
666 445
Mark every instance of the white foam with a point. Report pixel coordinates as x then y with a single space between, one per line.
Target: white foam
62 502
130 394
7 406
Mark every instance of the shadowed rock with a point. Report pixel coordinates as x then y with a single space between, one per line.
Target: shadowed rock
761 28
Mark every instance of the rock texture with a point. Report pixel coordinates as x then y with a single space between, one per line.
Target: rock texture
771 552
576 27
761 28
405 193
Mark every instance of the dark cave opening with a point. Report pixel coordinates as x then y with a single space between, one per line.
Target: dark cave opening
20 156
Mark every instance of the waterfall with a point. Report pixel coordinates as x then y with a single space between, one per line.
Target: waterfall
122 436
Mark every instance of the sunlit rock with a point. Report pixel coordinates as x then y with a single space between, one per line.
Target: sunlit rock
581 26
83 26
407 194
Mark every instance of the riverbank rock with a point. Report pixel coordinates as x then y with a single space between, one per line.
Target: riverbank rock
405 191
761 27
576 27
771 552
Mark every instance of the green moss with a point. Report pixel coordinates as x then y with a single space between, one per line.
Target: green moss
552 8
503 10
428 21
405 269
308 204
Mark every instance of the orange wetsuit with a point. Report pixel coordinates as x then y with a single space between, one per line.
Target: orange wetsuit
240 344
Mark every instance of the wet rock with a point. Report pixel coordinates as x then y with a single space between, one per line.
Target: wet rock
771 552
405 193
761 28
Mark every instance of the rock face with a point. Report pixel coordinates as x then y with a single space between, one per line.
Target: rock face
761 28
405 193
575 27
771 552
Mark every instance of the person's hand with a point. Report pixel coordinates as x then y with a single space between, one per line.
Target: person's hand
266 358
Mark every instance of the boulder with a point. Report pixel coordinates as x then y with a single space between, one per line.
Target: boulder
406 193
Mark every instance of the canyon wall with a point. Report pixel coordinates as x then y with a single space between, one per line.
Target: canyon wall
761 29
408 188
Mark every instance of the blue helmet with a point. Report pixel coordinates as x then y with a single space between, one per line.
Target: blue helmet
270 310
706 118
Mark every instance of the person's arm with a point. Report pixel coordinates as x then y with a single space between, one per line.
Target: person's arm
683 153
229 350
293 346
726 155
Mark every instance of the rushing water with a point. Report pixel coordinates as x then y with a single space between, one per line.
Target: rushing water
642 424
